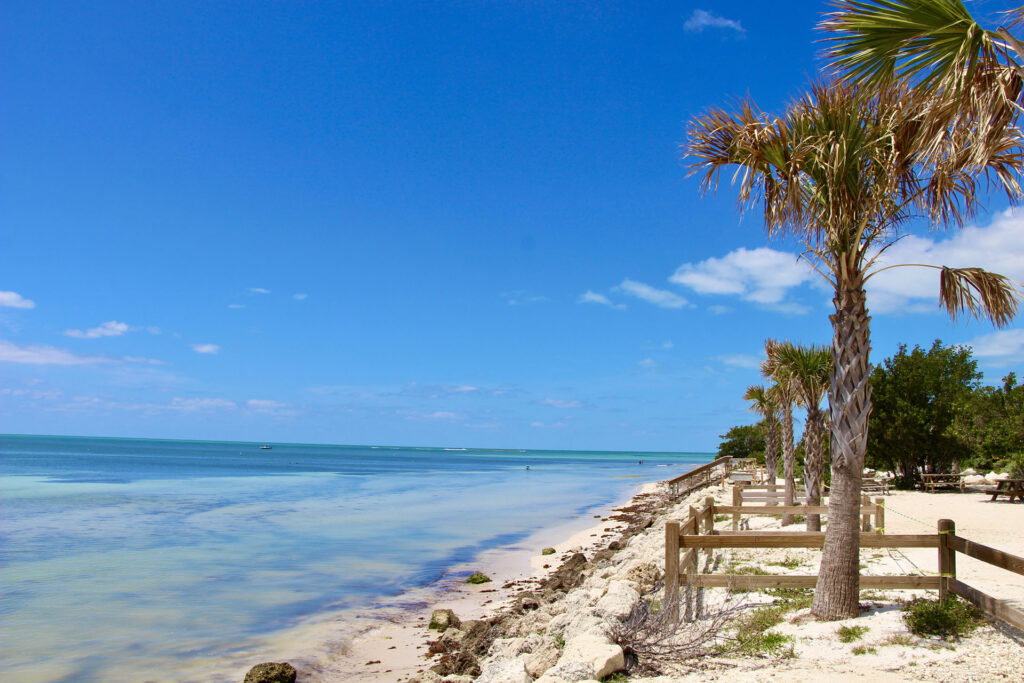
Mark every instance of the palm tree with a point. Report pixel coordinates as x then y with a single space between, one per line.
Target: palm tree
763 402
843 170
973 73
810 368
785 393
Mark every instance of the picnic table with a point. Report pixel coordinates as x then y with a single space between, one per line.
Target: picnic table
875 485
1011 488
942 481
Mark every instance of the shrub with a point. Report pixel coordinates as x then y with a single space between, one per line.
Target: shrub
848 634
949 617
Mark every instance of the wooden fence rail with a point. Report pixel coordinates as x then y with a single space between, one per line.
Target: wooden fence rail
697 534
710 473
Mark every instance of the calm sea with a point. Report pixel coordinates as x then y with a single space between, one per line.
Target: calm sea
126 559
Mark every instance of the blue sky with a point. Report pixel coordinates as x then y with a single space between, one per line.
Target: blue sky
451 223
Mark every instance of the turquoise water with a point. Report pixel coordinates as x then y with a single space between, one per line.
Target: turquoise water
119 556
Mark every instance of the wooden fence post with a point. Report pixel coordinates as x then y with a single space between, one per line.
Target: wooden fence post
865 517
737 501
709 505
672 570
880 515
947 556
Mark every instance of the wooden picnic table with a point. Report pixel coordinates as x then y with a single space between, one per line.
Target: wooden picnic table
1011 488
942 481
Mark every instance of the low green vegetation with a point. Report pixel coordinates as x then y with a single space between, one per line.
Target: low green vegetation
788 563
864 650
755 638
547 551
478 577
950 617
902 639
617 677
848 634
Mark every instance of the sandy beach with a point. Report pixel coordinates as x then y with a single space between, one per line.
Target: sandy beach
396 649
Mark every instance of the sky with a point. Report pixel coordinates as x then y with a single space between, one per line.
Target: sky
405 223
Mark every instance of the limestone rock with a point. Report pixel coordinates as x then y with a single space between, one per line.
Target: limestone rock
458 663
505 671
646 575
618 602
442 619
975 480
271 672
970 471
527 602
544 656
571 672
600 654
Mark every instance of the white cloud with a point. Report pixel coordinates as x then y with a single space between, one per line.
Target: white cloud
300 297
43 355
589 297
741 360
761 275
15 300
998 248
647 363
658 297
144 361
719 310
702 19
206 348
667 345
464 389
111 328
519 298
258 290
236 305
560 403
153 329
1000 348
39 394
268 407
547 425
190 405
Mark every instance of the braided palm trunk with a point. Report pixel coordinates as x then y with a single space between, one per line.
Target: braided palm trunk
838 589
771 456
814 465
788 458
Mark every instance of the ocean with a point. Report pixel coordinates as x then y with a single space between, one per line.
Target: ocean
144 559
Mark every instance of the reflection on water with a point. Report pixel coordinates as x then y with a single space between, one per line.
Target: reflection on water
131 559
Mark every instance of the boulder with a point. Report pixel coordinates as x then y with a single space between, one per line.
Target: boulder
994 477
975 480
646 575
598 652
527 602
543 654
443 619
570 672
271 672
970 471
458 663
505 671
618 602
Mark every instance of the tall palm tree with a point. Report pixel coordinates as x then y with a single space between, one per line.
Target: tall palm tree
785 393
843 170
810 368
763 402
973 73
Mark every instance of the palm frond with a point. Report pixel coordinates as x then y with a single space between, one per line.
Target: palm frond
978 293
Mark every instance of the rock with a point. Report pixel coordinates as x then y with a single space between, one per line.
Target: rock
455 678
975 480
547 551
527 602
969 472
993 477
478 577
569 672
271 672
505 671
459 663
645 575
569 575
442 619
615 545
600 654
544 656
618 602
550 679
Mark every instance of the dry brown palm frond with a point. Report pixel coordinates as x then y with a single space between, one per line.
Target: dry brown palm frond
978 293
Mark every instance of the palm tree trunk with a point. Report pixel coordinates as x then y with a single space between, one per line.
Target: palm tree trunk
814 462
788 458
771 457
837 592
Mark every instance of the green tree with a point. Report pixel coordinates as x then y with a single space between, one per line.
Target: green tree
763 401
743 441
785 395
843 170
992 424
916 397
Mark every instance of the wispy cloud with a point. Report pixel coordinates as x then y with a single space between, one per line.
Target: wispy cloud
741 360
560 403
268 407
142 360
44 355
547 425
111 328
15 300
702 19
190 405
1000 348
589 297
436 415
463 389
762 276
658 297
206 348
38 394
258 290
300 297
236 305
647 363
521 298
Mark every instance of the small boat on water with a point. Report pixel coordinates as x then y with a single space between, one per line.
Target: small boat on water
265 447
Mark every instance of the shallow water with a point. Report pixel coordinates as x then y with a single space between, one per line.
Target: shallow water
123 556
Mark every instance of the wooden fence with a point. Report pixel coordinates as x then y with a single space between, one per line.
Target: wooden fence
698 533
713 472
767 494
740 496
